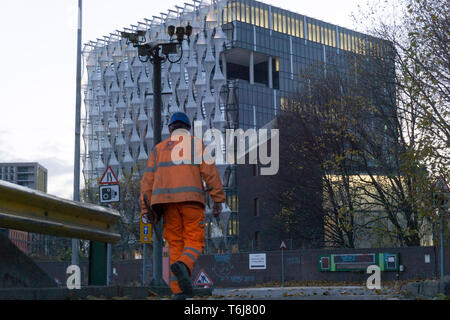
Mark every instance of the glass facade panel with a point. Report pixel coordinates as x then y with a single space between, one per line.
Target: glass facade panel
266 18
278 22
289 28
238 11
357 44
319 34
296 27
301 29
309 32
274 22
247 14
314 33
252 10
288 23
334 38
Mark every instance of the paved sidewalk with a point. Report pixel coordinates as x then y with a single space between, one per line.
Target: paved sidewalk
306 293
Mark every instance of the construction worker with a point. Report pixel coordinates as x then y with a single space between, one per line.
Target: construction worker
175 191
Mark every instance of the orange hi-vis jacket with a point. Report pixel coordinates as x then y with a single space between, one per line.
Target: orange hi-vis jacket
175 170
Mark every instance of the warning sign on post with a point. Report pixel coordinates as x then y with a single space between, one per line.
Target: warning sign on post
203 279
109 177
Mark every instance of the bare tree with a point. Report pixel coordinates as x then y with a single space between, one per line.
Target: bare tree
418 32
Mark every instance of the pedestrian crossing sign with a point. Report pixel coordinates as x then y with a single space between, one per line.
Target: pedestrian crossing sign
145 231
203 279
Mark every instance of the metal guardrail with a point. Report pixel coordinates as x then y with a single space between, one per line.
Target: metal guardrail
30 210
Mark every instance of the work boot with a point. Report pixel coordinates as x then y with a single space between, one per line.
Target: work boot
178 296
180 271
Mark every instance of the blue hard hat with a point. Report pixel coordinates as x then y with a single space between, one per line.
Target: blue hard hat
180 116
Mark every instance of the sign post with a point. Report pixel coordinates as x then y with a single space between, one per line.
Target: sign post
282 247
145 237
99 252
442 198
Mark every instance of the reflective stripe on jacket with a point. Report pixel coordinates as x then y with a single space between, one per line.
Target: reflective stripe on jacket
168 179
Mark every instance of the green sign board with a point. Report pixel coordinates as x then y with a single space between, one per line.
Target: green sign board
358 261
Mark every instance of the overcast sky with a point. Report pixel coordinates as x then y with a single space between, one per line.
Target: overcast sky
38 65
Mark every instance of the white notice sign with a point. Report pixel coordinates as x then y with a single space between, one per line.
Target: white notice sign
257 261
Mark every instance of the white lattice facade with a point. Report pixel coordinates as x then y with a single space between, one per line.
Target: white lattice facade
118 91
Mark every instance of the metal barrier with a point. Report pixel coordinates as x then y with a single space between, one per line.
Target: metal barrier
30 210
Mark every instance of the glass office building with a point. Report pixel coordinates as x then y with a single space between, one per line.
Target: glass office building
243 59
281 46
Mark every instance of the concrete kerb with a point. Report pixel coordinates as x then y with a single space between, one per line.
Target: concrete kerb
94 292
429 288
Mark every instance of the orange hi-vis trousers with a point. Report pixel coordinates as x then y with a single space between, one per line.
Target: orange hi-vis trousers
184 230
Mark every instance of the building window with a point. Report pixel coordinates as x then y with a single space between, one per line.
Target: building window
238 12
247 14
333 38
256 207
330 37
275 22
266 19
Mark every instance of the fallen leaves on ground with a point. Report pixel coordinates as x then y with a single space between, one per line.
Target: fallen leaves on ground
152 293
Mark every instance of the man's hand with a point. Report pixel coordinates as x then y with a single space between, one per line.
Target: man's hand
147 217
217 209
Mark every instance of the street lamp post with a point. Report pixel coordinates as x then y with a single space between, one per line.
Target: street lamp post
157 245
152 52
442 199
76 171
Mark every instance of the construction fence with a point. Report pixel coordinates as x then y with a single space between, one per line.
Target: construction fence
255 268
